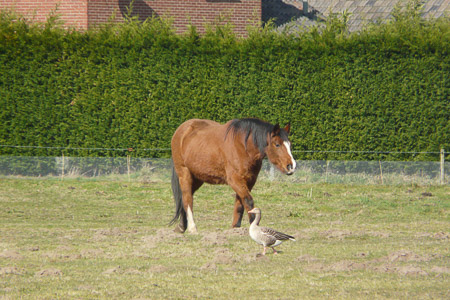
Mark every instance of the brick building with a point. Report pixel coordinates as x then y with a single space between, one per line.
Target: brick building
83 14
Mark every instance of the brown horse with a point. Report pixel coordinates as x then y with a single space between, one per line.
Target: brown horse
206 151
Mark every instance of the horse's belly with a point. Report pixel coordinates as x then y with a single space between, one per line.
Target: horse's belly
211 179
208 172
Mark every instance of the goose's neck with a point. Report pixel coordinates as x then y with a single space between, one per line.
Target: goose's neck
256 220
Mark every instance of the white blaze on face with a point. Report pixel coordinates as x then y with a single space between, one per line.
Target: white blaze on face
288 148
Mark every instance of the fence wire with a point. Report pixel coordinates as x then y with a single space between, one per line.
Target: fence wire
159 170
168 150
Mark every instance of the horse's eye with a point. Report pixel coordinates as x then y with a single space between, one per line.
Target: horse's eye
277 145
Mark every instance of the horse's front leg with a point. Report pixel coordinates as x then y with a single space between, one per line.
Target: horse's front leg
238 212
243 200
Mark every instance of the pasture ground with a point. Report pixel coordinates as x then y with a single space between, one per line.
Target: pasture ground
84 239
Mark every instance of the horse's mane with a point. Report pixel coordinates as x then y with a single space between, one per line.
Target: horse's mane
258 128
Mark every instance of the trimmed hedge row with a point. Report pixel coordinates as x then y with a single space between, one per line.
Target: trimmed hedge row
131 85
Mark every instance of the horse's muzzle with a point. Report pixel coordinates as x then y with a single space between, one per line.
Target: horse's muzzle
289 170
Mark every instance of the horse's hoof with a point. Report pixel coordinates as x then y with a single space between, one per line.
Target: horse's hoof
193 230
179 229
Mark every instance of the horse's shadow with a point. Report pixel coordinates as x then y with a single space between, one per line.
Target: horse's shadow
137 8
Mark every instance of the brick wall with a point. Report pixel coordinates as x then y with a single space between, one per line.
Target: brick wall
82 14
72 12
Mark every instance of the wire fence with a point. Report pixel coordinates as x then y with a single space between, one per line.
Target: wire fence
159 170
129 149
166 152
129 167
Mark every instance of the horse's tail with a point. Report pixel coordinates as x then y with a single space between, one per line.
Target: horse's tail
177 196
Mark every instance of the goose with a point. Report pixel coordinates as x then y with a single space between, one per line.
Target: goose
266 236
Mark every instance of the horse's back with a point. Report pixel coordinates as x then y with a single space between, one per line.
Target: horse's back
191 129
197 124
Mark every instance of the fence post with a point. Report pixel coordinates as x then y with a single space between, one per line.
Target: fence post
442 166
128 166
271 173
381 172
130 149
62 167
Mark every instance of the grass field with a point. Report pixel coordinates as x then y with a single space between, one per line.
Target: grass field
81 239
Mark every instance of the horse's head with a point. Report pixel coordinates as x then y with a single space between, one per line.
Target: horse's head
279 150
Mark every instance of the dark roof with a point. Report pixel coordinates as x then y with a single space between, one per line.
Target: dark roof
308 12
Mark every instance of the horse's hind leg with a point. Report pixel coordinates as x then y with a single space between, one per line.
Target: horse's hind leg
181 228
188 187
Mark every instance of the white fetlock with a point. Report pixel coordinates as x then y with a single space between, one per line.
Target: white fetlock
191 228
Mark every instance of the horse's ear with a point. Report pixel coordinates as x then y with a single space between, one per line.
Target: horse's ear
287 128
276 130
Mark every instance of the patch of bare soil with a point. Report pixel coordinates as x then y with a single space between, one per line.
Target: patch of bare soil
132 271
165 235
435 235
300 235
240 231
66 253
341 266
306 258
440 270
61 256
9 271
158 269
209 266
316 267
378 234
251 257
92 253
387 264
64 248
347 265
49 272
339 234
223 256
407 256
102 234
34 248
113 270
402 270
213 238
10 254
120 270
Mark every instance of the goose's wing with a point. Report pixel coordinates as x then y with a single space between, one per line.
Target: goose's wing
275 235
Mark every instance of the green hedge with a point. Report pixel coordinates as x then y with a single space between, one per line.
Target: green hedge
131 85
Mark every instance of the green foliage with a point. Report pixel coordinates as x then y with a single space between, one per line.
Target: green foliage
385 88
